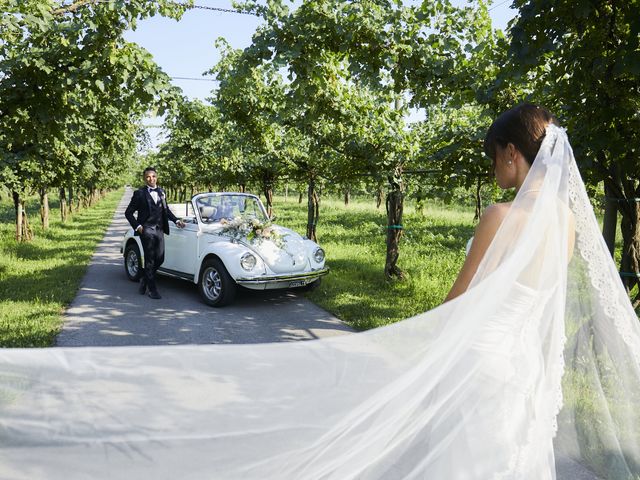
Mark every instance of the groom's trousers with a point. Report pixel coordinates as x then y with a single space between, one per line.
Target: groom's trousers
152 239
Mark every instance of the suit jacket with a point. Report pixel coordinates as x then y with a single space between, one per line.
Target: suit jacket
141 203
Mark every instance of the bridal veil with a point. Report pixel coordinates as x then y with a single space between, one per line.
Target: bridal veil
535 368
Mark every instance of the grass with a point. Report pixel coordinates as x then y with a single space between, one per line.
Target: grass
38 279
431 253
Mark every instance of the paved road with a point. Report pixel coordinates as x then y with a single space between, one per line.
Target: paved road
108 310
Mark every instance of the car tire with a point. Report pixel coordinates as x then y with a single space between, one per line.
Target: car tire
133 262
215 285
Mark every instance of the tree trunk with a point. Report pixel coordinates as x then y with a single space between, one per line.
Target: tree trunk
243 188
478 199
312 210
630 261
93 197
63 205
300 197
379 193
267 189
44 208
610 221
23 231
27 233
347 197
17 205
70 197
394 204
286 192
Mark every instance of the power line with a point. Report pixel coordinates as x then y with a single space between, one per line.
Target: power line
196 79
499 5
218 9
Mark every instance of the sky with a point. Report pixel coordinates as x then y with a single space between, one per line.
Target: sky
185 49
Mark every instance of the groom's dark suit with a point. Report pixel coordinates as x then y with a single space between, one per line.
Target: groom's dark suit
154 218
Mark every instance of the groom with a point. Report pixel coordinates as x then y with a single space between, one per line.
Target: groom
151 223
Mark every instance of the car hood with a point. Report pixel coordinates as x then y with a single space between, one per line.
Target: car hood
291 256
286 256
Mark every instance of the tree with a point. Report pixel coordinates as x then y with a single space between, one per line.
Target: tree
585 57
72 91
199 152
339 100
251 98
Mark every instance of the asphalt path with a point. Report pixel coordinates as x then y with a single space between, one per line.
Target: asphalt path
108 311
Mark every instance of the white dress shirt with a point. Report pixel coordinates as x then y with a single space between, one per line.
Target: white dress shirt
154 195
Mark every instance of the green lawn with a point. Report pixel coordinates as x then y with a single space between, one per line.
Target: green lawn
431 253
38 279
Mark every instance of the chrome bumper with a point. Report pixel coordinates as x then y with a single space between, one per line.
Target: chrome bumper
282 281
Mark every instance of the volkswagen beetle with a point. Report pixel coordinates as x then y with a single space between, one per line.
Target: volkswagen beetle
229 241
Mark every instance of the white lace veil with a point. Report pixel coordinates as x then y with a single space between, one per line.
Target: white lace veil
535 366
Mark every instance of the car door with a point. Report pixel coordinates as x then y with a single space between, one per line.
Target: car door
181 247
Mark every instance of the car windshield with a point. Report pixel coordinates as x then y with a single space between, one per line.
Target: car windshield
214 208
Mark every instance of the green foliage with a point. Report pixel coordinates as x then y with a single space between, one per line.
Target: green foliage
72 91
584 60
337 106
587 67
251 100
198 151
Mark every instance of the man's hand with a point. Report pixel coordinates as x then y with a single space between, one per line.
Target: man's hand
180 224
139 229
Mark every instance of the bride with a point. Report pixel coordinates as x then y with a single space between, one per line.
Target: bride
529 370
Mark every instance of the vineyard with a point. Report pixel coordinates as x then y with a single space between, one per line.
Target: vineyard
322 102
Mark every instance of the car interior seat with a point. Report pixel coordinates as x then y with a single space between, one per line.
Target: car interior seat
207 213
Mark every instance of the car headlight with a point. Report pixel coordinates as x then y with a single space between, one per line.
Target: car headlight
318 255
248 261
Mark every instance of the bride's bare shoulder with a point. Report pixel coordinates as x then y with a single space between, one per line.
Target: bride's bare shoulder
495 213
490 221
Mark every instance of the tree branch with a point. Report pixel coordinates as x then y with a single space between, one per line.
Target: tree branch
75 6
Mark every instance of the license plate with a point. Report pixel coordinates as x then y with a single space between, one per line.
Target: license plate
297 283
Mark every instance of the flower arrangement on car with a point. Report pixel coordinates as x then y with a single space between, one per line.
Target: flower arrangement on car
251 229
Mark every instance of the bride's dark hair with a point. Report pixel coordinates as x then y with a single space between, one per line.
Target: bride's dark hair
523 126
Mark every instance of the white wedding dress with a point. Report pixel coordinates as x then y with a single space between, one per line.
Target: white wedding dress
537 364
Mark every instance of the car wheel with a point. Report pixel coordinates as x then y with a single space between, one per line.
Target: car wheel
132 262
216 286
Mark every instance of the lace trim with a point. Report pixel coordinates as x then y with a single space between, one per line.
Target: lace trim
525 458
600 266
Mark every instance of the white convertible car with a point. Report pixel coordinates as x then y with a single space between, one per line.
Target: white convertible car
227 241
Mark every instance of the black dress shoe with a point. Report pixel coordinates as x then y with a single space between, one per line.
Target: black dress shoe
142 289
154 294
